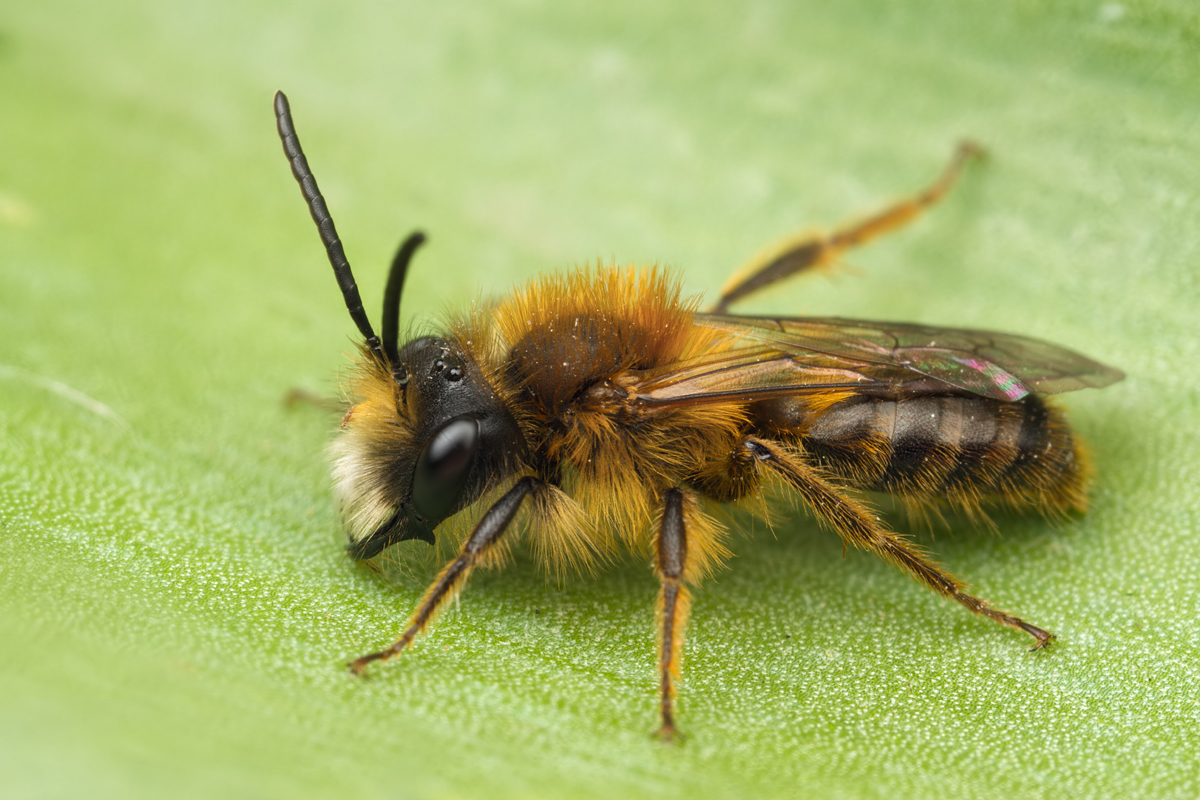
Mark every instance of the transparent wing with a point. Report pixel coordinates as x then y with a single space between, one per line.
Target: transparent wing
774 357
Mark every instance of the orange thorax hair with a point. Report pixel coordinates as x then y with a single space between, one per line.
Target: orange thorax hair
561 352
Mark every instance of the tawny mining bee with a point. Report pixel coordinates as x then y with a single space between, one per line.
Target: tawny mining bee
606 410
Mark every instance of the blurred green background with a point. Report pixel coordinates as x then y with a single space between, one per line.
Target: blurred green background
175 606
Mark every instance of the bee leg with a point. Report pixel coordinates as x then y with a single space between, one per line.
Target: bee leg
808 251
297 396
454 575
855 523
674 601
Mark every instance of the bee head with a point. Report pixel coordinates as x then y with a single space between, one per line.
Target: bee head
427 433
426 439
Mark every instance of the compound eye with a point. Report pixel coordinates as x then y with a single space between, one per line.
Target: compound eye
443 468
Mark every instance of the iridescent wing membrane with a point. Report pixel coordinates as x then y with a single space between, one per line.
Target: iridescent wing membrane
774 357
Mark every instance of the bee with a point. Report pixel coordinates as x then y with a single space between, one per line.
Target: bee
607 411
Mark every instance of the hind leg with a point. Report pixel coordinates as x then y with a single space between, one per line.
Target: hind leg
857 524
805 252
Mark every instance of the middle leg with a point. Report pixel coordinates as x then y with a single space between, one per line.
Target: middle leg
674 602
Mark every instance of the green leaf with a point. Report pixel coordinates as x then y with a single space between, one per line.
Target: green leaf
175 605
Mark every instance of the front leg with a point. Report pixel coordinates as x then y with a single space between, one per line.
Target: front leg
454 575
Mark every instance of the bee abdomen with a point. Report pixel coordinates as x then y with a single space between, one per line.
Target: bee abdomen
962 449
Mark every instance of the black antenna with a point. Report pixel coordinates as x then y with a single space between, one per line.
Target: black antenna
390 329
320 215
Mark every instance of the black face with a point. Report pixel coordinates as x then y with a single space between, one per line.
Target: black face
465 438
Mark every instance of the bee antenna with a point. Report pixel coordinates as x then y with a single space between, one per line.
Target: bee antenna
390 330
325 227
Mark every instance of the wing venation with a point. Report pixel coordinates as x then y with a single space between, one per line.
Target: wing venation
776 357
